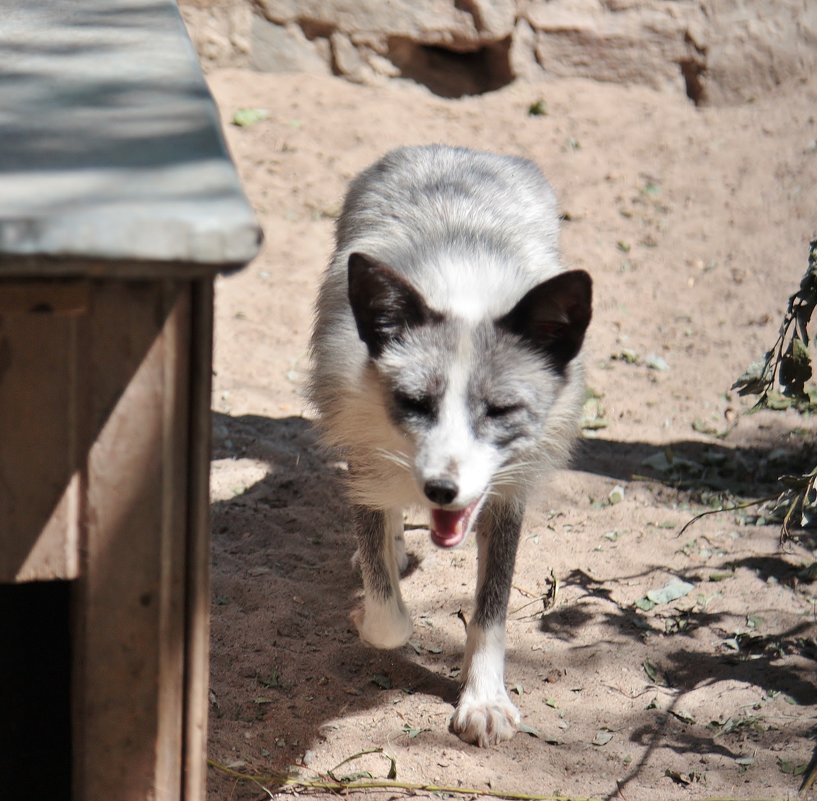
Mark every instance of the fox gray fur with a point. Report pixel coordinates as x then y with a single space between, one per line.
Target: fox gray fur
446 365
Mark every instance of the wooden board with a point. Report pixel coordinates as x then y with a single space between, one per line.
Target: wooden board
40 396
197 663
130 602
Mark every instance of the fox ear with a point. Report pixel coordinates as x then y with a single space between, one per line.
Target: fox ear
553 316
384 304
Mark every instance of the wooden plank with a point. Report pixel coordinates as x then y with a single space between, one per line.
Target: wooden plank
44 297
197 665
39 409
129 612
173 556
71 267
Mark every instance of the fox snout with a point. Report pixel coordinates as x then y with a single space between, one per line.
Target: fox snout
441 491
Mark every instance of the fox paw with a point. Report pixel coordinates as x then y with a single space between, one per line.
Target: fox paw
382 625
485 722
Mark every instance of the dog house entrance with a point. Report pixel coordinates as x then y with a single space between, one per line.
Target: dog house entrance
35 682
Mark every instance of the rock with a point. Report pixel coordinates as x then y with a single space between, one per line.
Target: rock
756 45
523 61
441 22
220 32
644 43
714 51
285 48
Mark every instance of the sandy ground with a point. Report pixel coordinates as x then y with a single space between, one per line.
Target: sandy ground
695 225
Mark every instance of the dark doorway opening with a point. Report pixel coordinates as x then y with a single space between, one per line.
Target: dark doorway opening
35 689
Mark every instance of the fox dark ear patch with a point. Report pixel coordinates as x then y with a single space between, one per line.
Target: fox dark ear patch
383 303
553 316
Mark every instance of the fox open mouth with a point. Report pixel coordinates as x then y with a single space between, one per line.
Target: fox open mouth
449 526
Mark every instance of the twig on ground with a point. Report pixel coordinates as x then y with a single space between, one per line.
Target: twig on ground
329 785
733 508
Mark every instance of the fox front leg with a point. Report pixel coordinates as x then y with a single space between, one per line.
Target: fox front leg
485 715
382 621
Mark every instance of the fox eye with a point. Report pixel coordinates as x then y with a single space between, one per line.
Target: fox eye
500 410
417 405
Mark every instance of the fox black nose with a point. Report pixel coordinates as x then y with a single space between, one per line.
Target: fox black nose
441 490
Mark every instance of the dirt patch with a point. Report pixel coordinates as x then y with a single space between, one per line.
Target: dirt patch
695 226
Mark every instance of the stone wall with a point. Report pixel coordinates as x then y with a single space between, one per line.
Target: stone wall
715 51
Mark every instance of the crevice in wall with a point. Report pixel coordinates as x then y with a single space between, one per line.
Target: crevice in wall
452 73
693 71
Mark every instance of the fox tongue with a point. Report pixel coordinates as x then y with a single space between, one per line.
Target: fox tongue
448 527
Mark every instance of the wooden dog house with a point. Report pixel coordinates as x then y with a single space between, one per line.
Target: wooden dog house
118 206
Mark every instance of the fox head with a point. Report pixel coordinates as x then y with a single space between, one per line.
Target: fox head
472 399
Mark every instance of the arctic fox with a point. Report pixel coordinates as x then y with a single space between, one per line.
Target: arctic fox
446 366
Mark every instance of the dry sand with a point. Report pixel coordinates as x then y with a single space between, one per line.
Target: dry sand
695 226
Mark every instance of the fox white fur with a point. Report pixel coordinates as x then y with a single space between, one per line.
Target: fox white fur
446 365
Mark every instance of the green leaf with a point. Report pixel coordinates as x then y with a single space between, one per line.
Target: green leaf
538 108
677 588
702 427
651 670
616 495
777 402
245 117
651 188
754 380
627 355
413 732
791 768
795 368
593 415
656 362
272 681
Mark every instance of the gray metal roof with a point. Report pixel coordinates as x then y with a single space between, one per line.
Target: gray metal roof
110 143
